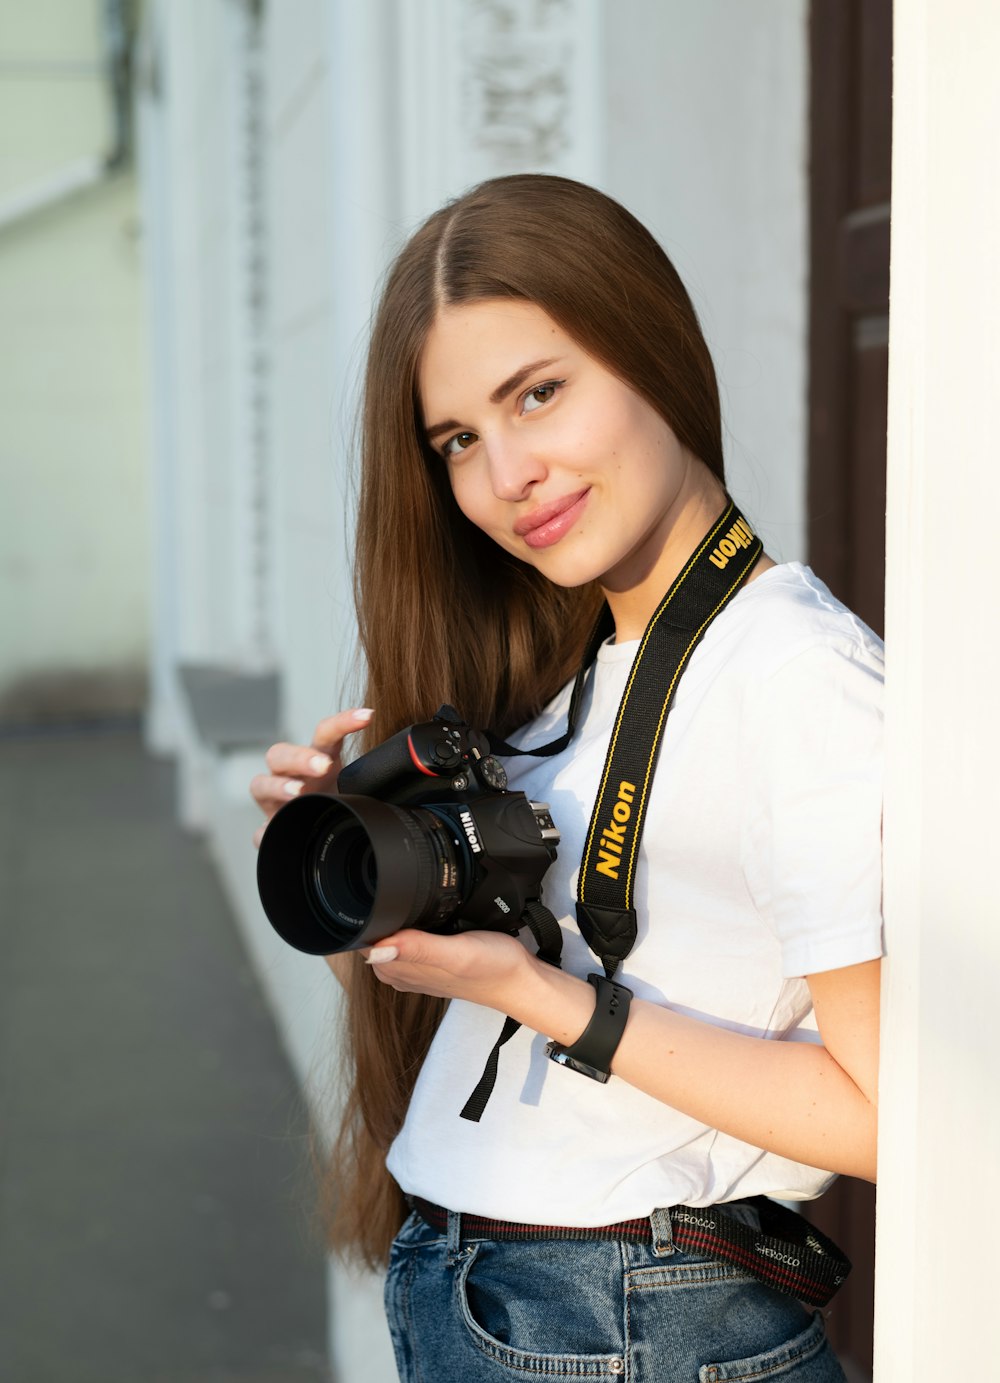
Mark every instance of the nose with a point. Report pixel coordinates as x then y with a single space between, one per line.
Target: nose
514 468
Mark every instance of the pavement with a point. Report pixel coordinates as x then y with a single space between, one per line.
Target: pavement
155 1184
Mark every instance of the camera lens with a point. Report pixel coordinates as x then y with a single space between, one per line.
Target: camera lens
344 871
338 873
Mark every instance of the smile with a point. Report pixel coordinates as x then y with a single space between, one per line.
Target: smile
547 524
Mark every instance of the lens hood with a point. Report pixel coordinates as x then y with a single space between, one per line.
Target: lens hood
338 873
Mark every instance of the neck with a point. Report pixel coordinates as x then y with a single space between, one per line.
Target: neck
635 590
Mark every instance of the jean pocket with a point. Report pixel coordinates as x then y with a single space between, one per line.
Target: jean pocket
414 1233
515 1319
807 1358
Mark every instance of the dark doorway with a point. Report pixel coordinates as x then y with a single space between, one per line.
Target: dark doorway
851 140
850 151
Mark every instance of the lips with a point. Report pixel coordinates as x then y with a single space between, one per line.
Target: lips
549 522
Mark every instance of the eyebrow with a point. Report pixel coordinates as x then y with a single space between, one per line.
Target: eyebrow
498 395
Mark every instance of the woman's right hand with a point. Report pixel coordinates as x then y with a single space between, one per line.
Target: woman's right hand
297 768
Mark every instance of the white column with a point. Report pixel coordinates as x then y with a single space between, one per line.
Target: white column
362 43
363 180
153 150
172 208
940 1115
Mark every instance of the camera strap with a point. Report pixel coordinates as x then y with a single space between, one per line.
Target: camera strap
708 581
706 584
603 630
548 935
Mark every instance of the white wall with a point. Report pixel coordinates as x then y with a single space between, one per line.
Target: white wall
52 93
74 519
707 142
939 1147
310 406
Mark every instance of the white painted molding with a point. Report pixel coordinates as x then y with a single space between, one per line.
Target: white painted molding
251 575
939 1144
163 724
66 182
489 87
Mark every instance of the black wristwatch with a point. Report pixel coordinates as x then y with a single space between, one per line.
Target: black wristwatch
593 1050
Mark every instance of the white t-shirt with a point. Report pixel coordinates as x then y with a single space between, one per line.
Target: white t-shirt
760 863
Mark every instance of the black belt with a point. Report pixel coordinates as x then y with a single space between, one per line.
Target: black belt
787 1253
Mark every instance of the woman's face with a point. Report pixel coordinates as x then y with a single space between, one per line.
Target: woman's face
550 454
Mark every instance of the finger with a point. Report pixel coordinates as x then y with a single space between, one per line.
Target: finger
298 761
273 792
258 836
331 732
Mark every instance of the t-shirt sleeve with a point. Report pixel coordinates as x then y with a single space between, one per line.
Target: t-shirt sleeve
812 852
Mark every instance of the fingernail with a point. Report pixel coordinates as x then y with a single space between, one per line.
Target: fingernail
363 714
319 763
377 954
293 787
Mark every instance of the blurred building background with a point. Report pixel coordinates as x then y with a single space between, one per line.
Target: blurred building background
154 1162
197 200
183 332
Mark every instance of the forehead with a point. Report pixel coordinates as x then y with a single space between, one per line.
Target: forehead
473 347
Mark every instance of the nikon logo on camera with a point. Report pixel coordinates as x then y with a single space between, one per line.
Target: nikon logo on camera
471 834
738 536
613 835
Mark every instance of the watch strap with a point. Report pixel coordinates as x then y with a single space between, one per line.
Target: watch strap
591 1054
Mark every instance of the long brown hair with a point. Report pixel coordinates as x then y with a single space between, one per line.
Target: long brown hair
444 614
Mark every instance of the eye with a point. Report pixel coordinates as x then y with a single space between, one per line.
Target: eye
458 443
535 398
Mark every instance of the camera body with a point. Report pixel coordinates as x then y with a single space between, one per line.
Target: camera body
423 832
443 755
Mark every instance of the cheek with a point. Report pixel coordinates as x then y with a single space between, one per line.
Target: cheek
473 498
481 509
464 496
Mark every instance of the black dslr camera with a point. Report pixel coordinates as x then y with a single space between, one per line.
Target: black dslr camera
423 833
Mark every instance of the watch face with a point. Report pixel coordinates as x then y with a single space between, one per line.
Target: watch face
562 1058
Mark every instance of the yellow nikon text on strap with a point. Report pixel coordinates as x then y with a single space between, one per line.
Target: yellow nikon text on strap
739 536
613 836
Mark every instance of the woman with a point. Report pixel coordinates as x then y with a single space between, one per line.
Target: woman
542 434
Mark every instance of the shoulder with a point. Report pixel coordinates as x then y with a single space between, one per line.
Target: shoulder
787 624
812 681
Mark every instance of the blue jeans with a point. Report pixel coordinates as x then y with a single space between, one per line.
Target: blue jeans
464 1310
